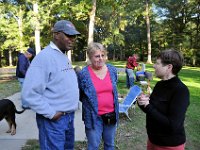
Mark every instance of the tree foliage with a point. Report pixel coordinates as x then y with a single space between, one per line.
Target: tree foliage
119 24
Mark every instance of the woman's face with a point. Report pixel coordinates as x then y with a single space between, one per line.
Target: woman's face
161 71
98 59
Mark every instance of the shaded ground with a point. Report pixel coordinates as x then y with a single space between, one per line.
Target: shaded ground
27 128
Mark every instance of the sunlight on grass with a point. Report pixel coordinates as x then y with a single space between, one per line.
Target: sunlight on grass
192 84
8 88
132 134
191 68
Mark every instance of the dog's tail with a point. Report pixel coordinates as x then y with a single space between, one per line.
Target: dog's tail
19 112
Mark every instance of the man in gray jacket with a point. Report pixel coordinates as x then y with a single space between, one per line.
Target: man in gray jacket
51 90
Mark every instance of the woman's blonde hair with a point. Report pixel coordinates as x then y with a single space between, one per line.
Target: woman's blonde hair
94 46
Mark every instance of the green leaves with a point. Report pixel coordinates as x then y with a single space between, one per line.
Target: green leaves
117 22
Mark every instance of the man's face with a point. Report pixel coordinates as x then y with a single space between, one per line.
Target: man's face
65 42
29 55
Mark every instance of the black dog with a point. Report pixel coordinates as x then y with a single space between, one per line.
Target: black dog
7 111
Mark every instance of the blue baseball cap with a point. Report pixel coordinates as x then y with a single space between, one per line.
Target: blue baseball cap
66 27
31 51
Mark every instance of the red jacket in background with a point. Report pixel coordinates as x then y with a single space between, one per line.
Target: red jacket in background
131 62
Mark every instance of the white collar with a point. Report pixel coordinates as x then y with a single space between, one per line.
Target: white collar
55 47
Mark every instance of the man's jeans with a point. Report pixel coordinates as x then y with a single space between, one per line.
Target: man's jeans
129 78
21 81
56 135
106 132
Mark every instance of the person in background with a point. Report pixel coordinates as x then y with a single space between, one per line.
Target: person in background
167 105
98 94
140 73
23 64
130 66
51 90
77 69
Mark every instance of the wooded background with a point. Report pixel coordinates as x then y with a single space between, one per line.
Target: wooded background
125 27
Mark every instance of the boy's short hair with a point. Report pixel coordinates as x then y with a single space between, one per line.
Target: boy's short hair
171 56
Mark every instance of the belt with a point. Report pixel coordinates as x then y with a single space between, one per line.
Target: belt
67 112
63 113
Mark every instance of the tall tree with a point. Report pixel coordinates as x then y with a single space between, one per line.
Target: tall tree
91 26
92 22
37 27
148 32
180 18
20 26
110 24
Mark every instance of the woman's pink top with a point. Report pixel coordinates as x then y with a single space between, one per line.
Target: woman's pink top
104 92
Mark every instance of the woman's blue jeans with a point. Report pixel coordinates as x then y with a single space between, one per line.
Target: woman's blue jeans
129 78
56 135
101 131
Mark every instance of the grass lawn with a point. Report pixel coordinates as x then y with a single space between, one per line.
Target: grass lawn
132 134
8 87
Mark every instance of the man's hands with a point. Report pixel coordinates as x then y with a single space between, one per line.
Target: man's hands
57 116
143 100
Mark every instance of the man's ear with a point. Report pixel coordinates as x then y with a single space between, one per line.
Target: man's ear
56 35
170 66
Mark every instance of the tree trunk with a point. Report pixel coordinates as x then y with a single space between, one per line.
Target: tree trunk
114 55
193 61
37 29
91 23
121 54
0 60
91 26
10 57
21 45
69 54
148 33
